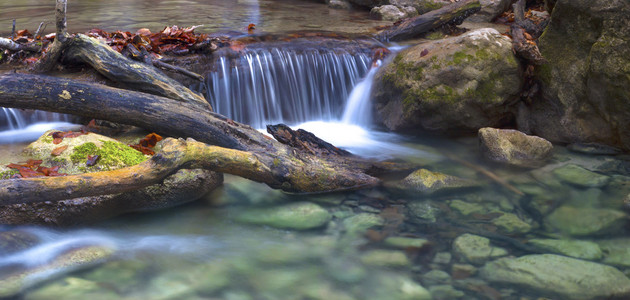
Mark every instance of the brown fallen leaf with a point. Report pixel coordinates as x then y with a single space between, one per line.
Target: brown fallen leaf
57 151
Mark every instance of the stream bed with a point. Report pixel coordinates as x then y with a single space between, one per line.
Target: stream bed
565 237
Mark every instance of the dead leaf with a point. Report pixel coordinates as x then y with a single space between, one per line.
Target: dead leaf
57 151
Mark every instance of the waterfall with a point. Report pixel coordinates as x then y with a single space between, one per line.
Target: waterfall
268 86
358 109
17 125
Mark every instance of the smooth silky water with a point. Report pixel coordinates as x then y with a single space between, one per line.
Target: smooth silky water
202 251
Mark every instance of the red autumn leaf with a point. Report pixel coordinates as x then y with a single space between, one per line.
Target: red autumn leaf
150 140
52 172
143 149
424 52
57 151
92 160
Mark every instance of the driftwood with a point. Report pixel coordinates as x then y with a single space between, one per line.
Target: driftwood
454 13
49 60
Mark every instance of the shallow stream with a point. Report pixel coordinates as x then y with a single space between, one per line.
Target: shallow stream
247 241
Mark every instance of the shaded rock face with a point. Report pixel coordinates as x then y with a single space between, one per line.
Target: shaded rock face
513 147
585 95
555 275
456 85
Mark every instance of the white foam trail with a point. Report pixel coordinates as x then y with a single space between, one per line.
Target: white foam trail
358 109
33 132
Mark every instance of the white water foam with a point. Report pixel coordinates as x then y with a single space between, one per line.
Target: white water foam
33 132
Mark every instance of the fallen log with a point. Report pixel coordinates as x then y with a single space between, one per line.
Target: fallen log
49 60
131 74
523 46
13 46
289 175
454 13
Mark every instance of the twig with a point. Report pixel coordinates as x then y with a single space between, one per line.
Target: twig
485 172
13 30
38 29
182 71
13 46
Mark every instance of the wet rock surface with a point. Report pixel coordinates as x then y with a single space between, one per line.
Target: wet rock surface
299 216
428 182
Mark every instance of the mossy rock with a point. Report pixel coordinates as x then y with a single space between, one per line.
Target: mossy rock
298 216
113 154
454 85
428 182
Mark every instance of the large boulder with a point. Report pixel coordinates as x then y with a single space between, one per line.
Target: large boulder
513 147
559 276
393 13
454 85
585 94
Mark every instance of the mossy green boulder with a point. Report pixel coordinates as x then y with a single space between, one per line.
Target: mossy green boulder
585 221
457 85
112 153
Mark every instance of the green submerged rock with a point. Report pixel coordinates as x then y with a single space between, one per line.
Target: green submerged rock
581 177
298 216
385 258
476 249
428 182
585 221
617 252
360 223
405 242
511 223
574 248
558 276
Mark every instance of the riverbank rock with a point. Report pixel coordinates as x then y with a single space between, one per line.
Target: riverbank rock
428 182
72 260
559 276
585 95
513 147
476 249
298 216
455 85
585 221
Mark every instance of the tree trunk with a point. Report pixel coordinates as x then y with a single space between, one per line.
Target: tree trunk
413 27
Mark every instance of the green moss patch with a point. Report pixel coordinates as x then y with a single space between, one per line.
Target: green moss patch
111 154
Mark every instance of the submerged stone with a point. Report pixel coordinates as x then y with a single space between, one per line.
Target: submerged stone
475 249
574 248
405 242
579 176
467 208
585 221
513 147
385 258
616 252
428 182
73 288
12 241
445 291
298 216
360 223
559 276
511 223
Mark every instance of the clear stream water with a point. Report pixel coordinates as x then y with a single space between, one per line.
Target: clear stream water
202 251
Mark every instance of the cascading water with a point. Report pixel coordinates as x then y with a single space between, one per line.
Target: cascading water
268 86
27 125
